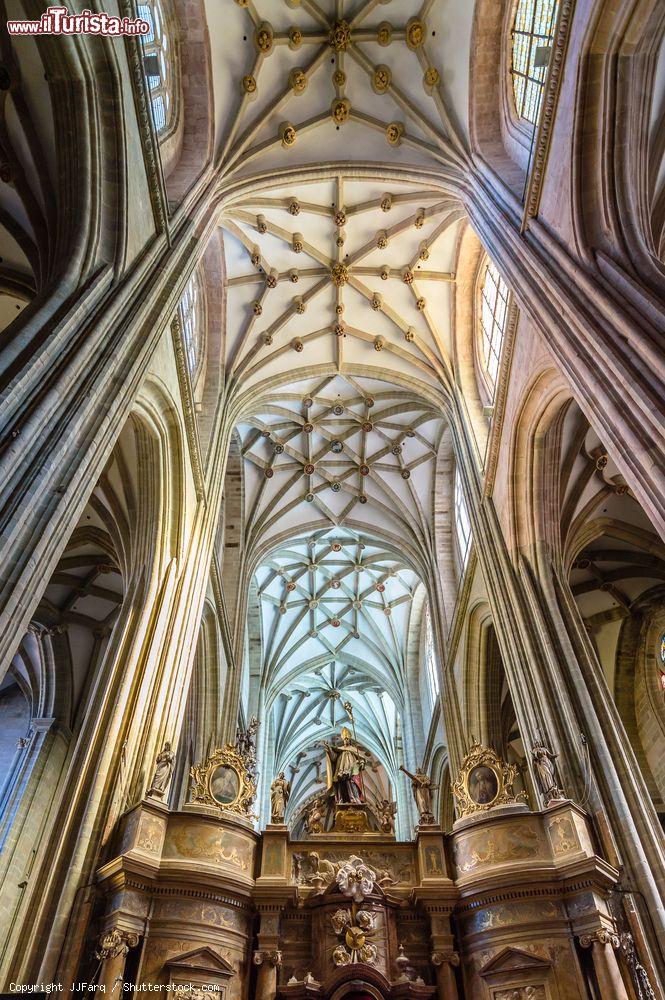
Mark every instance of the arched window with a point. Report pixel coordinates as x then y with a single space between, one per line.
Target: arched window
532 34
462 522
158 59
191 309
493 318
430 660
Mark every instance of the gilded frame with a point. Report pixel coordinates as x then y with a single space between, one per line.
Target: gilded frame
202 778
484 759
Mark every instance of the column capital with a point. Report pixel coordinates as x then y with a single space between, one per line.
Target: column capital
273 958
114 942
445 958
601 936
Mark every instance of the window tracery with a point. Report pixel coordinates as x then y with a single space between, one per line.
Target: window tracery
462 522
431 667
532 34
158 62
192 325
494 296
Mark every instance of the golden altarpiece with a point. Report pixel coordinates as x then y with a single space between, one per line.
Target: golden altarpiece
511 904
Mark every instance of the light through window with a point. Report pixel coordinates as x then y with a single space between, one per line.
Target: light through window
157 61
493 316
462 522
430 659
532 39
190 309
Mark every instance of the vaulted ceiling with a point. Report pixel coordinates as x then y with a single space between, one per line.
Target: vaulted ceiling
336 608
331 79
339 147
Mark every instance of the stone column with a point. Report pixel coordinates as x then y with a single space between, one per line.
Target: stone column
444 963
603 944
112 953
266 981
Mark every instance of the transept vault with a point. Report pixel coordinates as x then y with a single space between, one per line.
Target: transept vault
332 603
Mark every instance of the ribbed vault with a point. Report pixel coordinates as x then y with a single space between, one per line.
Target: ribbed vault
336 607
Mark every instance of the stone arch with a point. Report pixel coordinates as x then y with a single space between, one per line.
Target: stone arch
530 504
470 255
495 133
638 693
161 481
490 712
618 77
190 149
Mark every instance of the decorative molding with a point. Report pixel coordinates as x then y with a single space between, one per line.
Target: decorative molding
189 411
550 99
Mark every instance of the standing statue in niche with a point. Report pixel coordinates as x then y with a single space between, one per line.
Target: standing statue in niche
422 787
163 771
280 791
543 759
346 762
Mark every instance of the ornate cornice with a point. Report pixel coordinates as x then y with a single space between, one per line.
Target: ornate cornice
550 99
187 396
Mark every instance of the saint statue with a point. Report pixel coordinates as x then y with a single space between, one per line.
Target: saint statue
280 790
422 787
346 762
543 759
163 772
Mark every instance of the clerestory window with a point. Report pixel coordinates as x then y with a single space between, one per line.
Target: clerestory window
532 35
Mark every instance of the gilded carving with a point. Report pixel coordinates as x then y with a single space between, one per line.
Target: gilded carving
264 38
415 33
339 275
484 781
297 81
340 110
394 133
223 780
339 36
384 35
287 134
381 79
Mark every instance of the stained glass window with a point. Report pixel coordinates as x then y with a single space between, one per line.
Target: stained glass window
190 315
493 317
157 62
430 659
462 522
533 31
